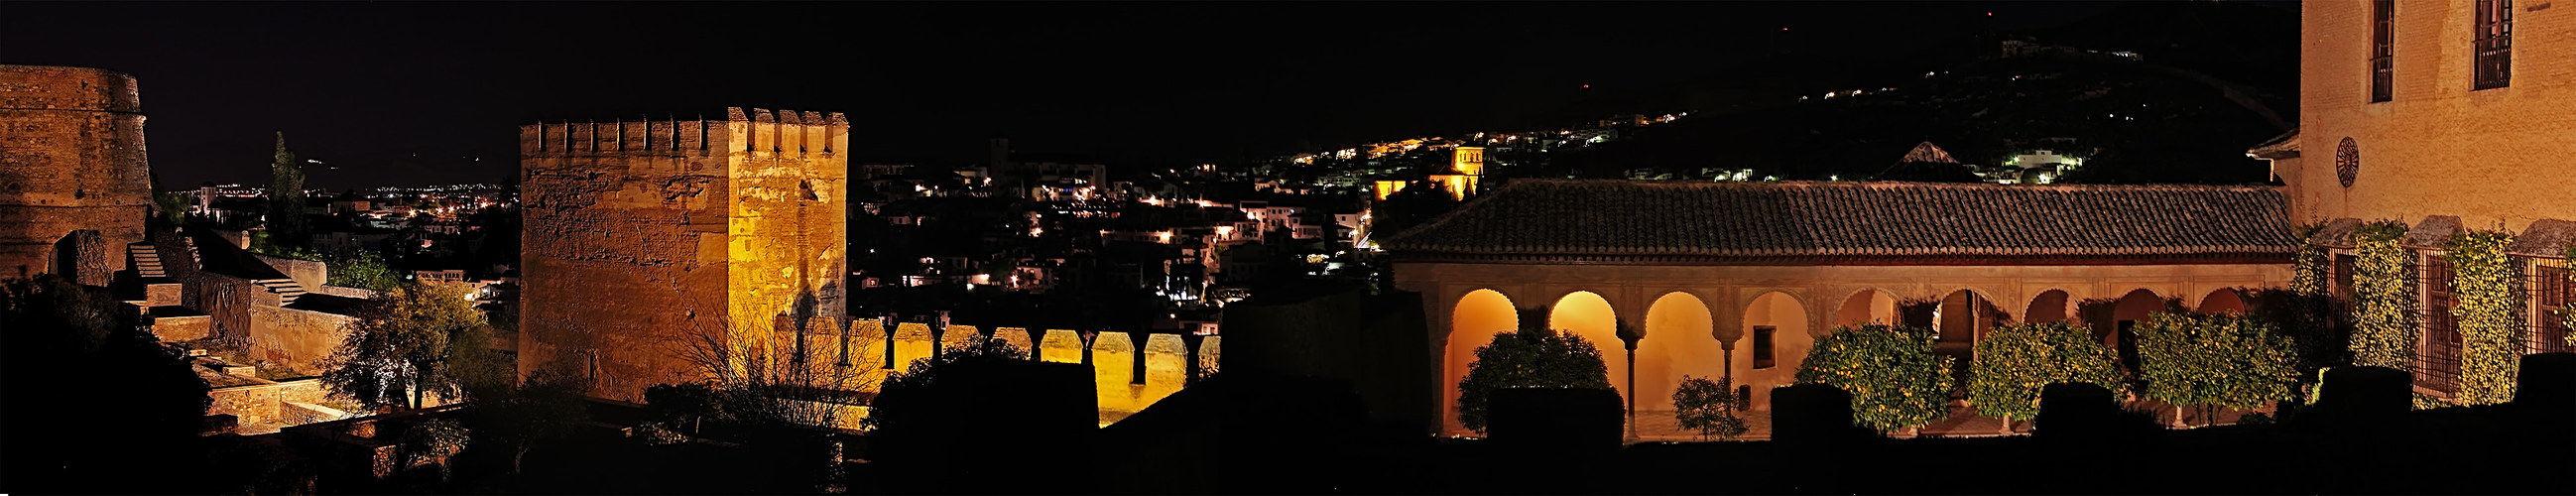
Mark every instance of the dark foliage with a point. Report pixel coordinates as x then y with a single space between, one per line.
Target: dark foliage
91 395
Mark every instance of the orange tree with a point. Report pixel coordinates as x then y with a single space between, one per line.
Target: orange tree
2214 361
1531 357
1894 379
2014 361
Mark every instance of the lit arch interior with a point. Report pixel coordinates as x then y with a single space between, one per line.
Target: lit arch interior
2224 300
1867 306
1476 318
1790 339
2129 312
2050 306
1585 314
1679 341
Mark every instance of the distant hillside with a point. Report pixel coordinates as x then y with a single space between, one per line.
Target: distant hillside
2209 80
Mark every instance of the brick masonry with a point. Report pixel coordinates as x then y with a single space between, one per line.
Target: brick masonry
71 158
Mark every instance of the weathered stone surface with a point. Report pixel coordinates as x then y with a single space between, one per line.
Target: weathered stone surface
958 335
1208 356
161 294
84 256
298 339
648 240
1060 346
911 342
307 273
71 159
1167 368
1113 370
1018 338
867 344
181 327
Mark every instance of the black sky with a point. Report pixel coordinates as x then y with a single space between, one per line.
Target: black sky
412 93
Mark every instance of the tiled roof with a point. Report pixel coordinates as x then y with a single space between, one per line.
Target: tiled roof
2336 233
1927 163
1559 218
2284 146
2434 233
2546 238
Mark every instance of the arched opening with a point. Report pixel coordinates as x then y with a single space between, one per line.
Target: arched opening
2119 330
1960 319
1776 337
2224 300
1867 306
1679 341
2050 306
1585 314
1474 321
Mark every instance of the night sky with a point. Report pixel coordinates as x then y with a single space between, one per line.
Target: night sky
414 93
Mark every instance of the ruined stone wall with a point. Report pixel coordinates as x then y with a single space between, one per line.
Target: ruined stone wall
307 273
652 248
299 339
71 158
264 402
228 300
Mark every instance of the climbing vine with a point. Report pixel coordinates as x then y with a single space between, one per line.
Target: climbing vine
2483 286
2384 298
2308 276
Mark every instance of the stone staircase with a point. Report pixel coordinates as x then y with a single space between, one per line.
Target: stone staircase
146 260
286 289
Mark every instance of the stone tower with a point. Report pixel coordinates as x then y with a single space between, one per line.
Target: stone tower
71 160
668 251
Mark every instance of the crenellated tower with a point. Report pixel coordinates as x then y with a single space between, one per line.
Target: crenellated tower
662 251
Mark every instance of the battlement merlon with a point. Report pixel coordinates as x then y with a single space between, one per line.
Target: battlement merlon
760 133
786 133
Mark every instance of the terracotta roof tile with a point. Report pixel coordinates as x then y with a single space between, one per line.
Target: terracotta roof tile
2546 238
2434 233
1579 218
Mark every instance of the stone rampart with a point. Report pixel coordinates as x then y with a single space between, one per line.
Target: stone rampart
71 159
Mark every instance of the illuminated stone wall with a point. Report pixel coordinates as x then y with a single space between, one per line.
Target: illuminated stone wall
298 339
264 402
1165 359
2492 157
652 246
71 158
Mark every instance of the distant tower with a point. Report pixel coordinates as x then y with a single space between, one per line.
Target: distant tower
1005 174
648 242
71 160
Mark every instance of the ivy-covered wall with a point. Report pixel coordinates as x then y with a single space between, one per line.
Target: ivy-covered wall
2484 286
2383 298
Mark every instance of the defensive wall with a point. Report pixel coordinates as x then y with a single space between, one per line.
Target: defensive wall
1129 371
71 159
650 242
